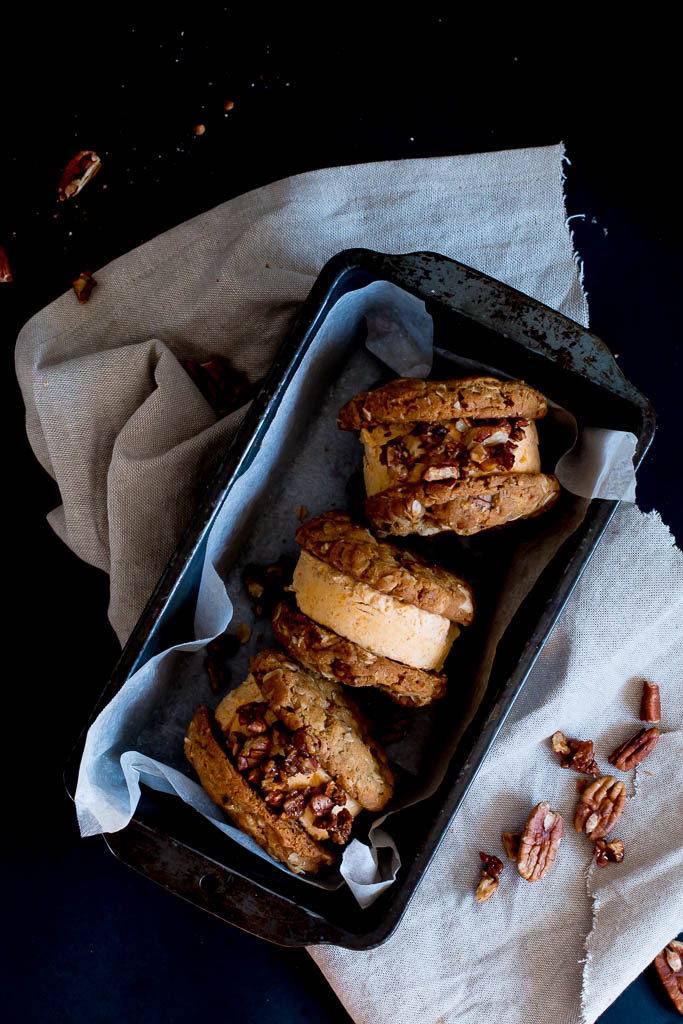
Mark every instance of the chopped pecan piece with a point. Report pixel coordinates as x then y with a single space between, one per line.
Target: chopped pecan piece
301 513
606 852
266 584
78 173
539 842
669 965
635 749
490 874
5 272
320 804
224 387
295 804
338 826
510 842
576 754
650 706
600 806
243 633
84 285
253 752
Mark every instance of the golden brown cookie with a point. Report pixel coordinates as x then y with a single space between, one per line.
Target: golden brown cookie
283 839
324 651
340 733
336 540
461 506
414 399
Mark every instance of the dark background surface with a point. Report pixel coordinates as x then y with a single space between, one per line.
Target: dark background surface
89 939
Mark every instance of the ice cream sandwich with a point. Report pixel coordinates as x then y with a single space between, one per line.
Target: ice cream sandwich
371 614
290 759
476 435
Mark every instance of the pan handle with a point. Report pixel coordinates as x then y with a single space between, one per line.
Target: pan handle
211 886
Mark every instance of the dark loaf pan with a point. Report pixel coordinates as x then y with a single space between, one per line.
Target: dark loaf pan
492 324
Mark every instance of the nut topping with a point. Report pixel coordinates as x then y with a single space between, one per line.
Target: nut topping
606 852
634 750
668 966
576 754
78 173
539 842
600 806
490 873
650 706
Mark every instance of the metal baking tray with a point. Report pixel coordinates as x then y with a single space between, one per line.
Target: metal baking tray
497 326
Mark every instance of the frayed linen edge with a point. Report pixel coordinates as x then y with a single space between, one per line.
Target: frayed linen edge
578 260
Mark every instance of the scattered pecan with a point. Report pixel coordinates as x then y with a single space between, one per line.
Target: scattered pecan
199 129
650 706
576 754
600 806
223 646
606 852
228 105
669 965
266 583
78 173
84 285
224 387
539 842
510 842
635 749
243 633
490 874
301 513
5 272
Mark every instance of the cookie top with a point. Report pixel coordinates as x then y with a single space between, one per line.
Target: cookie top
335 657
461 506
415 400
336 540
338 730
284 840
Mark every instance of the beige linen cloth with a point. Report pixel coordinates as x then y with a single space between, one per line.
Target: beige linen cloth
116 421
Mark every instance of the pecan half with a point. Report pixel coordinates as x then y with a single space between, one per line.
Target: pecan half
606 852
669 966
84 285
5 272
78 173
650 706
539 842
490 874
600 806
576 754
635 749
510 841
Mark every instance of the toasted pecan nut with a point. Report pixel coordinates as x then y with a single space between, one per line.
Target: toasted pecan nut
669 967
650 705
606 852
510 841
490 874
576 754
600 806
539 842
78 173
84 285
635 749
5 271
